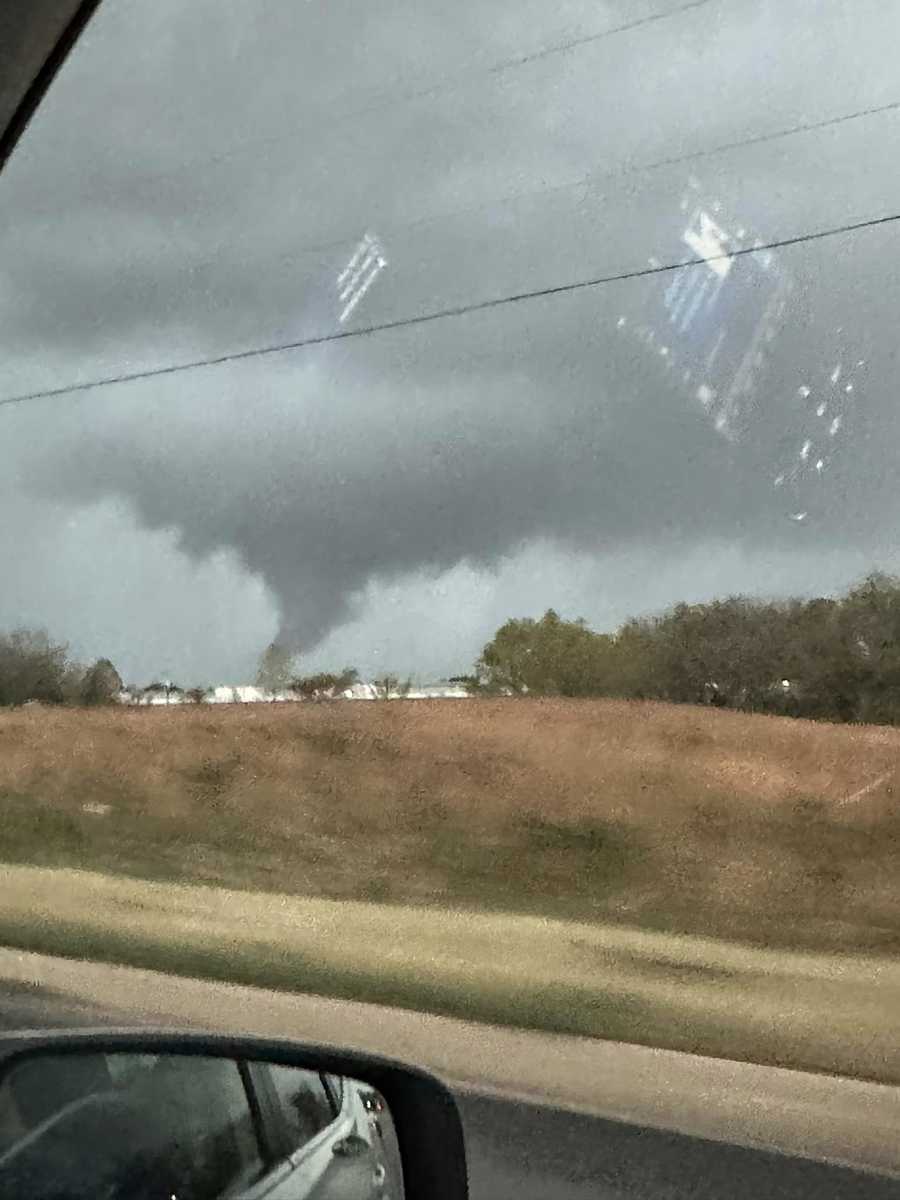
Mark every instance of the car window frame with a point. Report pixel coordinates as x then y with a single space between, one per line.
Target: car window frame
258 1173
259 1125
275 1121
337 1091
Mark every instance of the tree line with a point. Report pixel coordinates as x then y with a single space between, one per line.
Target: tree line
832 659
278 673
829 658
34 668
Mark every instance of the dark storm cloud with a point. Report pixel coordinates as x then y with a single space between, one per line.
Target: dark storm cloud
158 229
137 237
376 480
328 472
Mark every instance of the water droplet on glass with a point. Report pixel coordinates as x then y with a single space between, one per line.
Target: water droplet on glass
820 411
849 387
836 373
820 465
803 391
835 426
778 481
798 516
620 323
805 449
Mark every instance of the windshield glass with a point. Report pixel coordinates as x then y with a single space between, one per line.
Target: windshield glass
511 436
530 365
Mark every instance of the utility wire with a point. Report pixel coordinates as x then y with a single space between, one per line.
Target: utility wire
590 179
496 68
454 311
594 177
563 47
390 100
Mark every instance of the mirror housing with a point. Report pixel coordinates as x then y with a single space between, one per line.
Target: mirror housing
423 1111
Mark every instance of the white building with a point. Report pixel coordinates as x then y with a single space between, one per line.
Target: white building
248 694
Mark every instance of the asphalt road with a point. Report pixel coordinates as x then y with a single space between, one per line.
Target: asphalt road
523 1151
529 1152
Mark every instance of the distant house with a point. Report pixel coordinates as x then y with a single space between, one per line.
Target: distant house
360 691
425 691
160 693
157 693
439 691
246 694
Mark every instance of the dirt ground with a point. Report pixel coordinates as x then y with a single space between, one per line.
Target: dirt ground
663 817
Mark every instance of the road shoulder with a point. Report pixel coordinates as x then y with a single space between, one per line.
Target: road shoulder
845 1121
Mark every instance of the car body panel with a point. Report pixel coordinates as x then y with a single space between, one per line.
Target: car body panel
35 38
316 1172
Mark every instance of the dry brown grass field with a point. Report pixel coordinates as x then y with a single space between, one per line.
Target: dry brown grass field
673 818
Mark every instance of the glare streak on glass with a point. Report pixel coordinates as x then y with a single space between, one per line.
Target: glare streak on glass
366 264
727 313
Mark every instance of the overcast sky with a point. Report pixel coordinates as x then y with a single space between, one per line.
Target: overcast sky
202 173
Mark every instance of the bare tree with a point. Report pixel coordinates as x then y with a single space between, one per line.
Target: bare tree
276 668
324 685
391 687
163 687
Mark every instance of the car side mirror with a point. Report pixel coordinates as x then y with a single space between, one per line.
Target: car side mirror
149 1115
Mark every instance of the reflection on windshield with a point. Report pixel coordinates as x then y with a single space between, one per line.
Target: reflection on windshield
510 407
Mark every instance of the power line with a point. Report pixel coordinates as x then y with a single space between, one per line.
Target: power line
594 177
497 68
590 178
586 39
755 139
389 100
446 313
